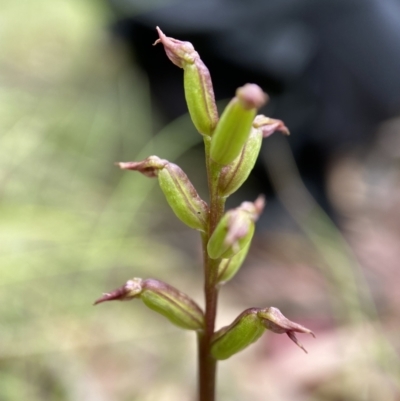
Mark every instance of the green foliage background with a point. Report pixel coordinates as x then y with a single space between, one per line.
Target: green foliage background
71 223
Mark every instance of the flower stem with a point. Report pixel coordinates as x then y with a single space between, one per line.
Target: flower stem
207 364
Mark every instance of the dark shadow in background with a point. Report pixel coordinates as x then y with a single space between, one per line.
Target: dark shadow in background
331 67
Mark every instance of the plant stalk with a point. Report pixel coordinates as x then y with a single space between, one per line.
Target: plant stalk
207 364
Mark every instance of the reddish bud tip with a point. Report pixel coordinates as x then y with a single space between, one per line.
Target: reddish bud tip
251 96
178 52
116 295
259 205
274 320
293 337
254 209
148 167
269 125
129 290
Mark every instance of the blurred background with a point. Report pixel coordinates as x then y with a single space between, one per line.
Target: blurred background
82 88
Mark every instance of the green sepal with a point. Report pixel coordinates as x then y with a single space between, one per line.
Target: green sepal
236 173
199 95
233 128
182 197
228 268
176 306
245 330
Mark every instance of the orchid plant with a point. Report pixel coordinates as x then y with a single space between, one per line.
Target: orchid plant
232 143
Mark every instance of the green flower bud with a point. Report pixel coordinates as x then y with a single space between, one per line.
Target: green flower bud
229 267
233 128
235 230
199 92
249 326
176 306
236 173
245 330
179 192
183 197
242 229
273 319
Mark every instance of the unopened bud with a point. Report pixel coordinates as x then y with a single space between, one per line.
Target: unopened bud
236 173
199 92
273 320
176 306
249 326
235 230
233 128
245 330
179 192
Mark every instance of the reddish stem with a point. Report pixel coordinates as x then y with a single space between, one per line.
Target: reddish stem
207 364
